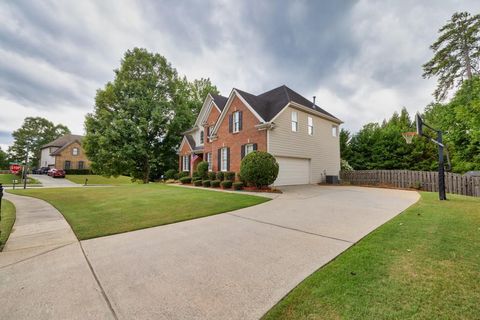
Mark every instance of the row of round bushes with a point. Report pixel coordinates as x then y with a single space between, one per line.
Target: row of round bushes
225 184
258 169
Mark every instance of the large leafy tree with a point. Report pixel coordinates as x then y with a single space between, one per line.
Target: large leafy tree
3 159
456 53
32 135
138 118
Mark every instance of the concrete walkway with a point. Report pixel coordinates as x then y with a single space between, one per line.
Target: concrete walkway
43 271
235 265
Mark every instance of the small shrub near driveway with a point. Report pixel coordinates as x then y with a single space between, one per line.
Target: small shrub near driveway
202 169
197 183
230 176
186 180
259 169
227 184
215 183
220 176
237 185
212 176
170 174
206 183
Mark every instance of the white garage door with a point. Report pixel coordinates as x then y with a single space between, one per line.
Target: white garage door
292 171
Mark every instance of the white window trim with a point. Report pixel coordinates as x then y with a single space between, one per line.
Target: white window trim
209 160
294 121
185 164
236 122
247 146
223 160
310 130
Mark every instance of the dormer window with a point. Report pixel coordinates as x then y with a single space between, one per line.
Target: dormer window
202 137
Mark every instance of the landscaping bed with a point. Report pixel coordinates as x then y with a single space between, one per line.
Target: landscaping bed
423 264
95 212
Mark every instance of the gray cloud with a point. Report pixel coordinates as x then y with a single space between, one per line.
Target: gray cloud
361 58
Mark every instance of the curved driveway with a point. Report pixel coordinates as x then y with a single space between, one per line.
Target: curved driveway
235 265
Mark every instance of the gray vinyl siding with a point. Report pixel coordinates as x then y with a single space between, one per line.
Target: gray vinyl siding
321 148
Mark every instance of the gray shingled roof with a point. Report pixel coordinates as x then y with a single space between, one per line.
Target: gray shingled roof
220 101
270 103
63 141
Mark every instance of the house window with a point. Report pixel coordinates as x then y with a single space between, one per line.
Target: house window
294 121
208 132
209 160
75 151
310 125
334 131
185 163
249 148
236 121
201 137
224 159
68 164
80 165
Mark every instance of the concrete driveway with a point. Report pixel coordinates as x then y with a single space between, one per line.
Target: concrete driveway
50 182
229 266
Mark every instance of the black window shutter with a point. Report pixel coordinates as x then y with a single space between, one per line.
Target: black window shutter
242 152
219 160
240 120
228 159
254 147
230 123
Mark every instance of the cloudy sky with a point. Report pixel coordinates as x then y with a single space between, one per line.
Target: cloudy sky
362 59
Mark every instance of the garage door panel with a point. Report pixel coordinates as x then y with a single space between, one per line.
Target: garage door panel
293 171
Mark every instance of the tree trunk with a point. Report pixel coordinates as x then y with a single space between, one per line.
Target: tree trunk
468 63
146 171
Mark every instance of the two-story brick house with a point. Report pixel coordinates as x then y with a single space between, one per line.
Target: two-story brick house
65 152
303 137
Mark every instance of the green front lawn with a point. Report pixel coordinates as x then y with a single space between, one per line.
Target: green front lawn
7 179
423 264
6 223
101 211
96 180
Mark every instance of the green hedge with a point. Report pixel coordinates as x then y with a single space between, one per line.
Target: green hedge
212 176
170 174
259 169
78 171
185 180
220 176
197 183
237 185
227 184
183 174
215 183
206 183
230 176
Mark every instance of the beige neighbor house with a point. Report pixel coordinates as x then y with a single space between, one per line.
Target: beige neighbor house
65 152
303 137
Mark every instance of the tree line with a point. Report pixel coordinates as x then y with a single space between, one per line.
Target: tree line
456 64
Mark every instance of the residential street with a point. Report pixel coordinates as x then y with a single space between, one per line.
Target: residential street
229 266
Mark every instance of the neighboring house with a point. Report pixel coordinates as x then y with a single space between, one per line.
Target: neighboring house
65 152
303 137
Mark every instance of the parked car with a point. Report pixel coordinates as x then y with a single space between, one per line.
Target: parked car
56 173
44 170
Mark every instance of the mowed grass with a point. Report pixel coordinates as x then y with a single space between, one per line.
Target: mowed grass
7 179
7 221
423 264
99 180
101 211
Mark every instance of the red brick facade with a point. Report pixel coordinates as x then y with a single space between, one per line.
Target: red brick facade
234 141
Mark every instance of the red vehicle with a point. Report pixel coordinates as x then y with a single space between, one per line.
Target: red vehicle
56 173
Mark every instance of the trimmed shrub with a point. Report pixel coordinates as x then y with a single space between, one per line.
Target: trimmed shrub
186 180
196 176
202 169
206 183
78 171
212 176
170 174
183 174
230 176
176 176
259 169
215 183
220 175
237 185
197 183
227 184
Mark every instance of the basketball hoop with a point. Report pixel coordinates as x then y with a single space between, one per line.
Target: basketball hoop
408 136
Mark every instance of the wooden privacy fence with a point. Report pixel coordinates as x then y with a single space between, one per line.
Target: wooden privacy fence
423 180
